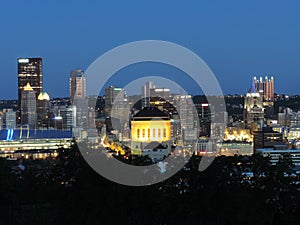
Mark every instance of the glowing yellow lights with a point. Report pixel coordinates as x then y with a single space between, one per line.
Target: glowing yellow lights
158 130
237 134
28 87
43 96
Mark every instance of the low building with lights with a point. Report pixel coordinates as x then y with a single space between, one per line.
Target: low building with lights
279 152
28 140
151 133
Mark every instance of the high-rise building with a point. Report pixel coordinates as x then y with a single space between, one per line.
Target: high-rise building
265 88
68 114
149 90
30 71
28 106
77 85
78 97
267 138
9 119
254 109
113 95
43 105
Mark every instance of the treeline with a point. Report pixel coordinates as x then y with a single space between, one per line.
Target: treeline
233 190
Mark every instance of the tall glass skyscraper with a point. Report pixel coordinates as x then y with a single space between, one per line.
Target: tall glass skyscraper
77 85
28 107
30 71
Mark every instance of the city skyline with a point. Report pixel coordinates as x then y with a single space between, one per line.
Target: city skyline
258 39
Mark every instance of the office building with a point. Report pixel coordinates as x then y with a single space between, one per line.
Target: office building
265 88
78 97
77 85
146 94
30 71
28 107
254 109
8 119
267 138
68 115
116 103
43 105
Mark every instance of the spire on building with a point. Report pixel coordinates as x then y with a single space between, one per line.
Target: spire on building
253 88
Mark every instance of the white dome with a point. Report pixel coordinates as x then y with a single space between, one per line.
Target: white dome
43 96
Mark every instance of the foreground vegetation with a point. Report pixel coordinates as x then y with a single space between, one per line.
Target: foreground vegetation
67 191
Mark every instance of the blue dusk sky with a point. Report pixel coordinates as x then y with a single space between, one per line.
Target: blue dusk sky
237 39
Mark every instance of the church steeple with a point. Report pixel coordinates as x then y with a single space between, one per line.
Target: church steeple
253 88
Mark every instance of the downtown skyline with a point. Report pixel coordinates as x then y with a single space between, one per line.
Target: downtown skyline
258 39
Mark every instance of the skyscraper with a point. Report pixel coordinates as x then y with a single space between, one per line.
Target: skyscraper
78 97
146 94
265 88
254 109
43 105
28 106
77 85
30 71
114 95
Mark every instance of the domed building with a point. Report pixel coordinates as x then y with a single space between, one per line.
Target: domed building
43 96
43 104
151 133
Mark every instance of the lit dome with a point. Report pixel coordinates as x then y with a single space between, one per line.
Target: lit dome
43 96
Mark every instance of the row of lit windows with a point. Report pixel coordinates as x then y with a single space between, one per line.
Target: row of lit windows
143 133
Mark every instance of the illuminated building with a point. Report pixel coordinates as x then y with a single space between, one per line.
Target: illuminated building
114 96
78 97
238 134
275 154
28 106
267 138
150 129
12 140
254 109
265 88
30 71
160 92
149 90
117 108
146 94
9 118
77 85
236 148
68 114
188 117
43 104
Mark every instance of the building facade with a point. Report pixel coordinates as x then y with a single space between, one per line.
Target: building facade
30 71
150 130
28 107
77 85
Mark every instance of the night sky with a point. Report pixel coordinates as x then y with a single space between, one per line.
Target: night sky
237 39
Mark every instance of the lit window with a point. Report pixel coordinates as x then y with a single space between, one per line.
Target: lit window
159 132
138 133
165 133
153 132
149 133
143 133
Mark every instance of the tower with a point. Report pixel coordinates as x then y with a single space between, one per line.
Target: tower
78 97
253 108
43 104
77 85
30 71
28 106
